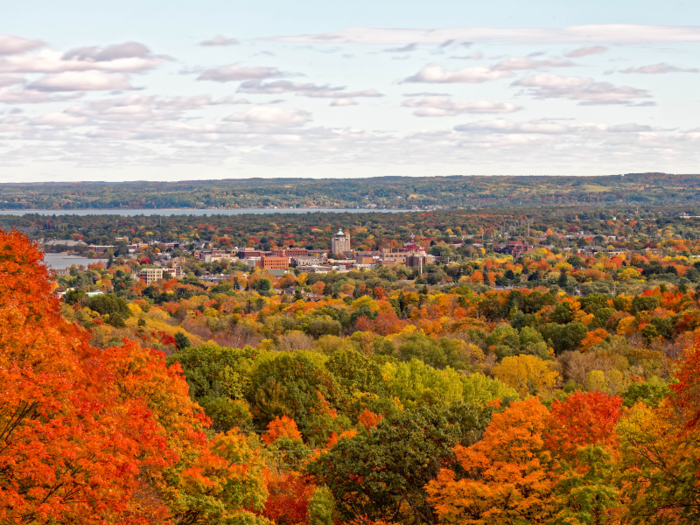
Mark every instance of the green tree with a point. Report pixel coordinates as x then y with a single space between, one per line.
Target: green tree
182 341
382 473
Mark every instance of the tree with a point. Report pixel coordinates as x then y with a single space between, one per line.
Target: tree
527 374
182 341
585 495
507 477
102 436
281 427
321 507
382 473
292 385
583 418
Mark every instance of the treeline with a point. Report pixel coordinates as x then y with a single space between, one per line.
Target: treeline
382 192
622 227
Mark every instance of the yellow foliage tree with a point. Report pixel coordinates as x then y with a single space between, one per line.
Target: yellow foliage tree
527 374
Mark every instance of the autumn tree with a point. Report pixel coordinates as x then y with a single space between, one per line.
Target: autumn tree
507 477
527 374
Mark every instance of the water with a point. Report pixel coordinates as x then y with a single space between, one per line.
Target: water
59 261
189 211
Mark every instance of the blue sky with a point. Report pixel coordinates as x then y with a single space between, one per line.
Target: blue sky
209 90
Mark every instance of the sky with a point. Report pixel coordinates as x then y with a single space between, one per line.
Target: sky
154 90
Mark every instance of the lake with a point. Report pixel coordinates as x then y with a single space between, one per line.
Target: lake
59 261
188 211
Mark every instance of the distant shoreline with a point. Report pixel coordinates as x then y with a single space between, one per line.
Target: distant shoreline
198 211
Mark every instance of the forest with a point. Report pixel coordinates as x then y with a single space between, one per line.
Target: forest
453 192
558 387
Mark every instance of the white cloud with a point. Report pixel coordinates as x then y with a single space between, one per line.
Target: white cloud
508 126
585 90
24 96
11 80
520 63
13 44
271 116
234 73
220 40
586 51
126 57
278 87
367 93
403 49
441 106
553 127
657 69
603 33
82 81
476 55
470 75
339 102
60 119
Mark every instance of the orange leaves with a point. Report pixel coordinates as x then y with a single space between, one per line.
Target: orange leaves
369 419
288 500
281 427
508 474
593 338
584 418
687 390
102 436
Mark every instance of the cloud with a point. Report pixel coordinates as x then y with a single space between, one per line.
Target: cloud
271 116
633 128
367 93
10 80
552 127
657 69
603 33
13 44
343 102
586 51
586 90
59 119
138 107
403 49
470 75
278 87
23 96
82 81
126 57
508 126
281 86
234 73
520 63
220 40
476 55
440 106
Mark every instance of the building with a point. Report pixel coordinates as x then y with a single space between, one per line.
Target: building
274 263
516 248
307 261
290 252
340 243
152 275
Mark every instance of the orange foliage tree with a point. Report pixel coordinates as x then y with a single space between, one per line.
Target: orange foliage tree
584 418
509 476
101 436
281 427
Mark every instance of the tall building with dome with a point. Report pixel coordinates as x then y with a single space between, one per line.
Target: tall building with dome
340 243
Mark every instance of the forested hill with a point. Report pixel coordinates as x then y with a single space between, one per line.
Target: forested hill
382 192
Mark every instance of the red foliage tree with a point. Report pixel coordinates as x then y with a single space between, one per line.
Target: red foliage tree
584 418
